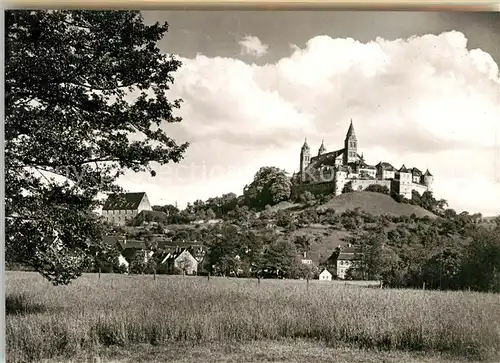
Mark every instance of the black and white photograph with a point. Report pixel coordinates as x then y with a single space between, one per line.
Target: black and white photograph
252 185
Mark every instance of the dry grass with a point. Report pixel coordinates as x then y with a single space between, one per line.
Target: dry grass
45 322
374 204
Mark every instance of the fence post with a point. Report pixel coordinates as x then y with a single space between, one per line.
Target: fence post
99 273
307 284
154 274
423 286
208 276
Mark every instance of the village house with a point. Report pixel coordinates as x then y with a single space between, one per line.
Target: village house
120 208
127 248
346 259
305 260
325 275
181 259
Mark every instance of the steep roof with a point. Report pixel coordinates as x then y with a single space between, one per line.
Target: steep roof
305 146
416 172
325 159
322 148
325 271
123 201
386 166
351 132
347 256
427 173
364 165
347 253
172 256
403 169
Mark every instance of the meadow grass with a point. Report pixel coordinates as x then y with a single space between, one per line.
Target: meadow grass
45 322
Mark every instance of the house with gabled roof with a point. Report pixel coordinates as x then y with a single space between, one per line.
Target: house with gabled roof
180 259
325 275
347 258
122 207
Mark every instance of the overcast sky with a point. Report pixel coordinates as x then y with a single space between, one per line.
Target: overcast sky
422 88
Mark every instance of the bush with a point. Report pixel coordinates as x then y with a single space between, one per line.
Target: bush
347 188
376 188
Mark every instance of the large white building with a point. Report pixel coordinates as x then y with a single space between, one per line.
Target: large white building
119 208
329 172
347 259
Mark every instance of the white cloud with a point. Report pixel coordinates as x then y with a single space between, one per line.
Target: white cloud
426 101
253 46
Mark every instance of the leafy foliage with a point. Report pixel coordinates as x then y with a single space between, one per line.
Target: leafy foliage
270 186
347 188
85 95
377 188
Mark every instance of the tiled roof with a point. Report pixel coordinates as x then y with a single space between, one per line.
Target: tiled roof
322 148
346 256
364 165
305 146
172 256
347 253
415 171
403 169
321 159
386 166
351 131
133 244
123 201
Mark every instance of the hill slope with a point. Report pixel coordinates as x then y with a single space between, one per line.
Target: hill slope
375 204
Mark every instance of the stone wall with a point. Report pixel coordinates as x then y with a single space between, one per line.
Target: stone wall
357 185
420 188
362 184
318 188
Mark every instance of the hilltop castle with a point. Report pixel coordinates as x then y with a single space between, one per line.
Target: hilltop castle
329 172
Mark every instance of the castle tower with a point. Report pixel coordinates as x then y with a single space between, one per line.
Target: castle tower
428 179
322 148
305 158
350 146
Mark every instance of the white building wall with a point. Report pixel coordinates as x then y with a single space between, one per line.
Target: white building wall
342 267
192 265
405 185
340 180
419 188
144 205
325 276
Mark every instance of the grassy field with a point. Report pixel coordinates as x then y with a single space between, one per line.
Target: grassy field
134 318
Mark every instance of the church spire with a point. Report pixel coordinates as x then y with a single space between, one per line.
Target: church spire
305 146
322 148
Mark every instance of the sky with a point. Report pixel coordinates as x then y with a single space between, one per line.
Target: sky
422 89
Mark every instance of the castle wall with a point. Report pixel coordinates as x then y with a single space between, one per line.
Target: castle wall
405 185
317 188
419 188
362 184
